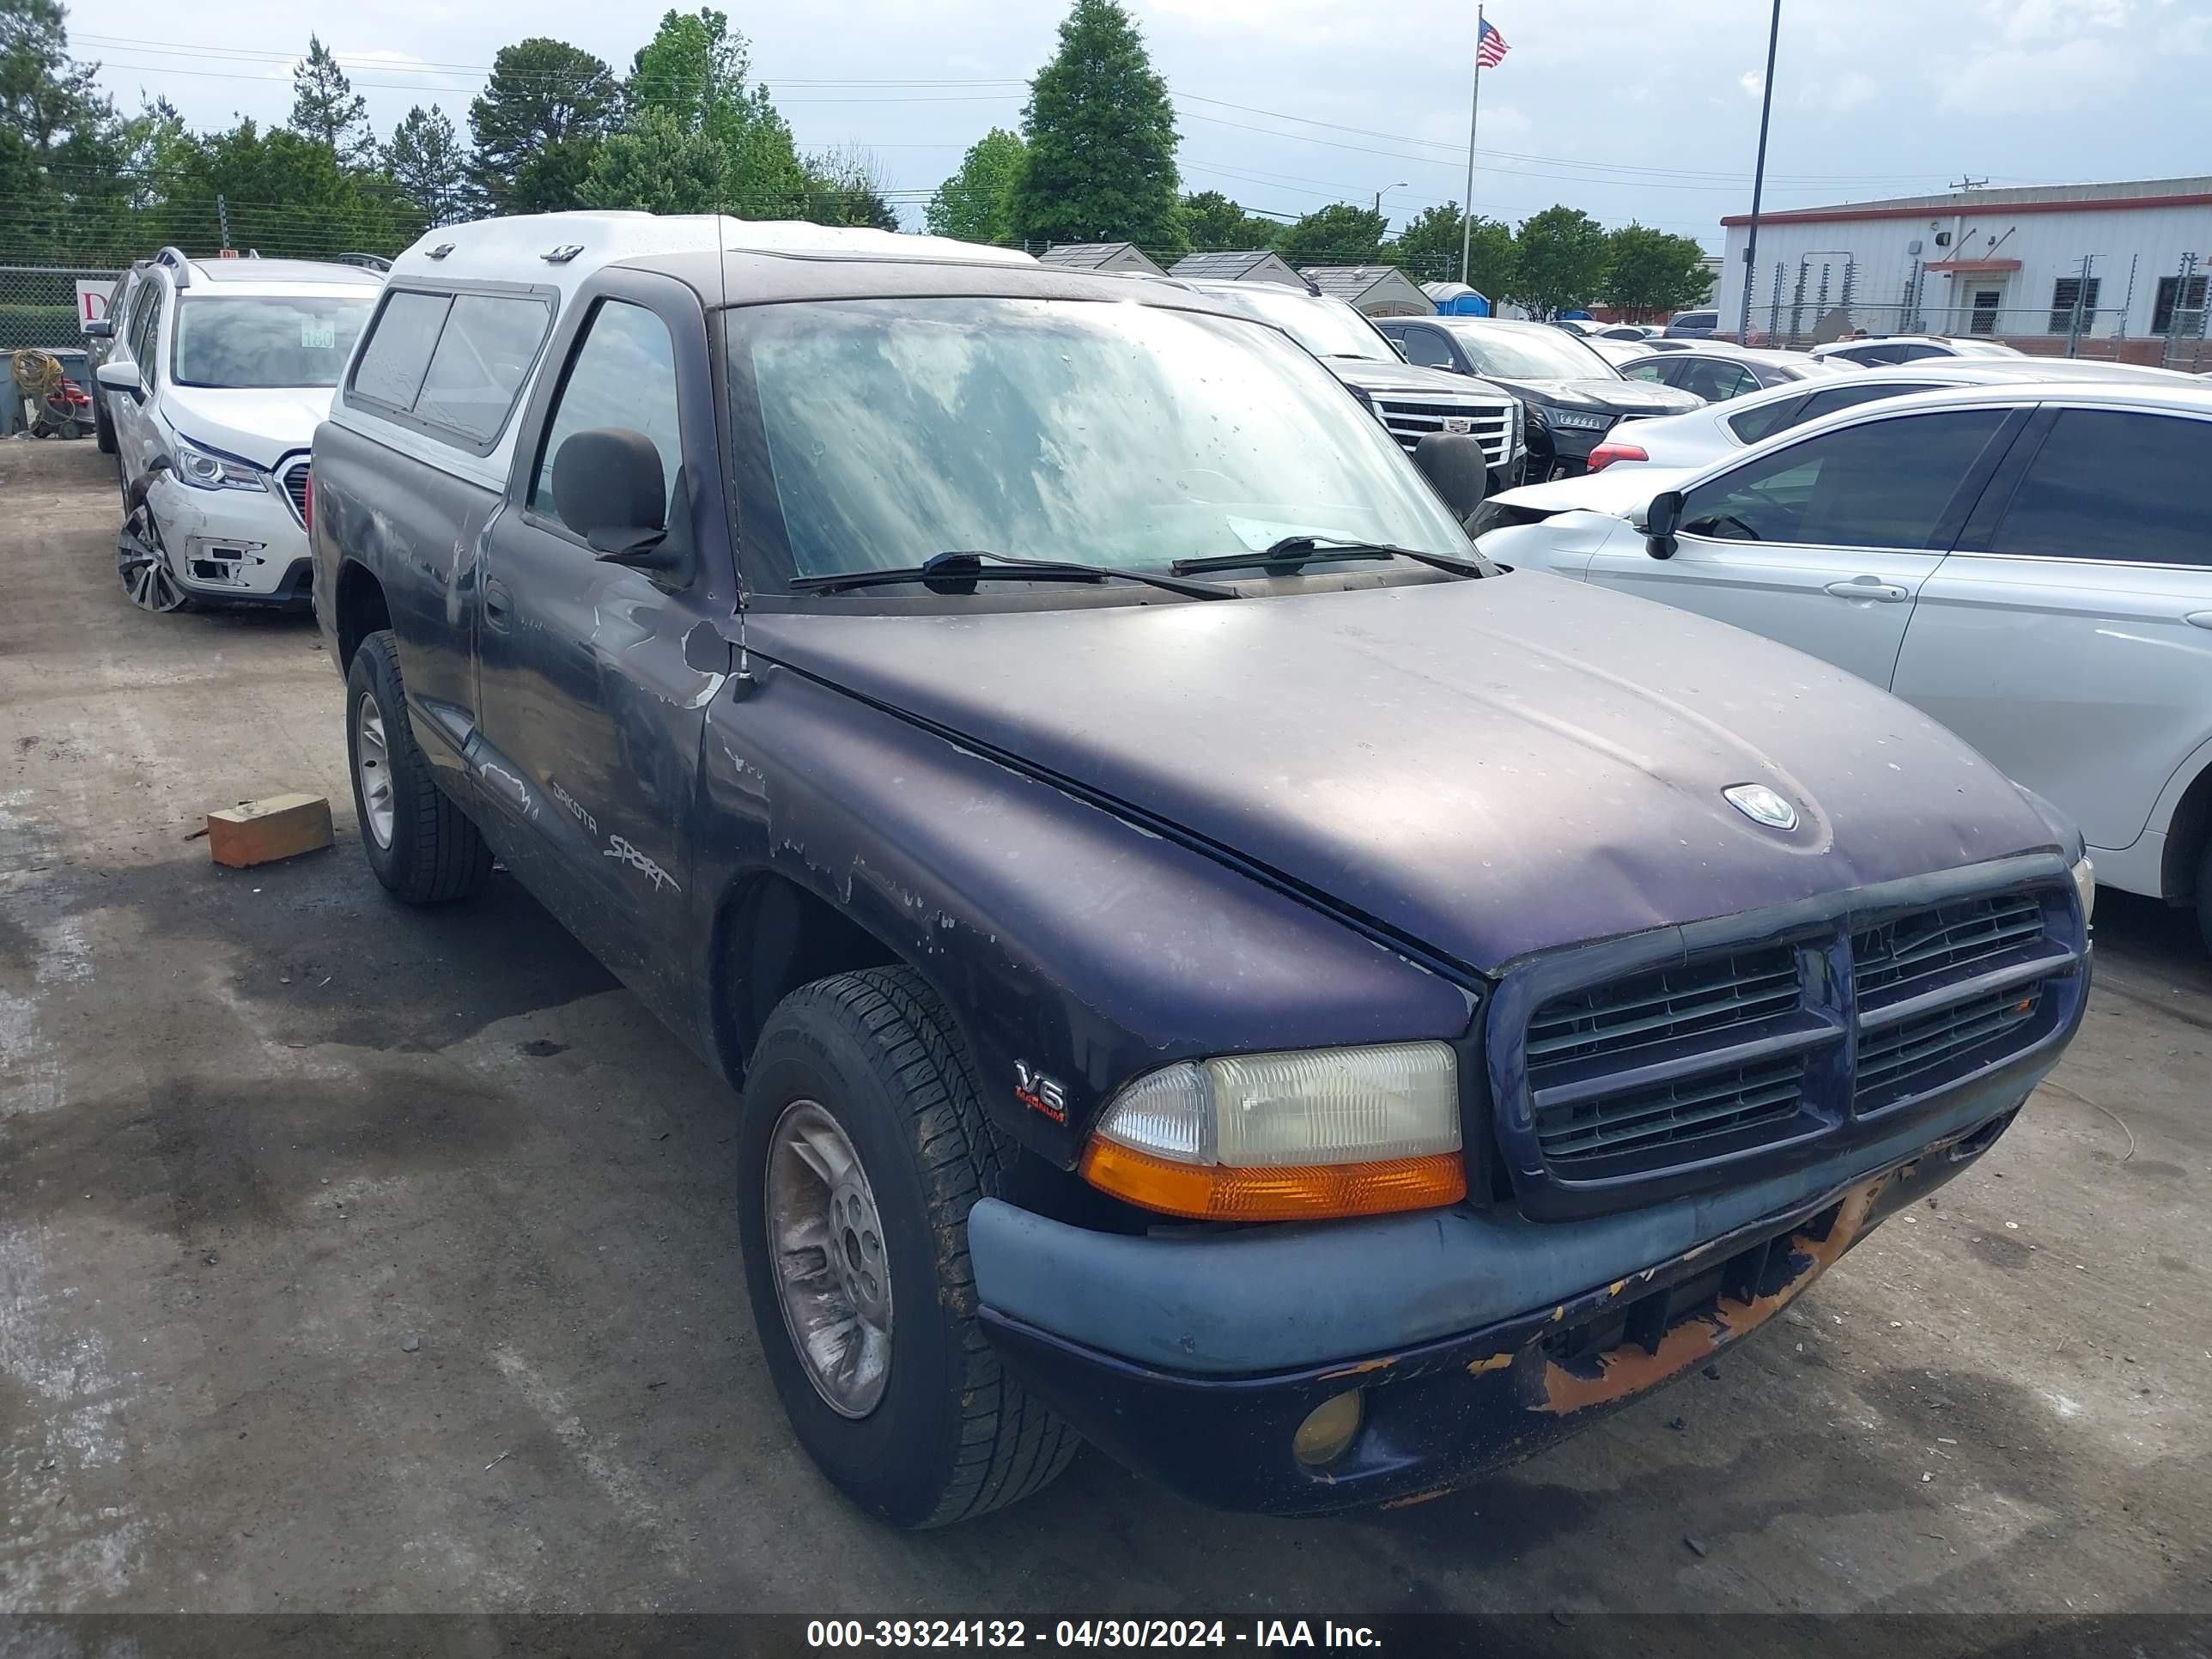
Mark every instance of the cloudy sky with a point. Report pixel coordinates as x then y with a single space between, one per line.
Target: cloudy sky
1644 111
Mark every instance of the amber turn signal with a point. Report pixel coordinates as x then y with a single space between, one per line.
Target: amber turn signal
1296 1192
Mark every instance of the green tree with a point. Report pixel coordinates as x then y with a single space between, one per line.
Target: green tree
1215 224
694 72
425 160
1558 261
975 204
845 186
1338 236
324 105
1102 140
658 164
1650 272
546 105
46 98
285 193
1428 247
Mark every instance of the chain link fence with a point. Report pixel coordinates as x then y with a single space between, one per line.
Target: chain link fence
42 306
1824 297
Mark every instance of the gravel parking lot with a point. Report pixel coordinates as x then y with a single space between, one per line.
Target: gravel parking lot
360 1259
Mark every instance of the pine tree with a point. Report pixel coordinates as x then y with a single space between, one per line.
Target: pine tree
657 164
536 123
694 72
1102 140
425 159
324 105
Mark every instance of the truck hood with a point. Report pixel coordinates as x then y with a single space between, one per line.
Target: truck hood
1488 767
1637 398
1411 381
259 426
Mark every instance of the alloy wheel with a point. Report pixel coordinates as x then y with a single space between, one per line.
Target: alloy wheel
372 768
832 1271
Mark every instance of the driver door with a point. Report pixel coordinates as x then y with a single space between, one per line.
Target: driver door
1823 545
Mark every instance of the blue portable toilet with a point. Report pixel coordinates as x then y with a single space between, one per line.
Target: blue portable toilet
1456 300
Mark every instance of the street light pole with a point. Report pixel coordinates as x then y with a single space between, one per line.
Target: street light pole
1385 190
1759 177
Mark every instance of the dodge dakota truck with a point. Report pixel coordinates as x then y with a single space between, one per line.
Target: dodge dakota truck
1207 963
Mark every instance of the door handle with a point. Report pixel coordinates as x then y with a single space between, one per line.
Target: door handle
1868 587
2199 619
497 601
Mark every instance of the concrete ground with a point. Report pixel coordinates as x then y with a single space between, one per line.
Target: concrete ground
354 1258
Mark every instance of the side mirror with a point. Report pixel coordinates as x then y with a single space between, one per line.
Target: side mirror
1455 464
121 377
608 488
1660 520
100 329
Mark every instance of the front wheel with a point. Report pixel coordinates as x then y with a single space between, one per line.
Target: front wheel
419 843
861 1150
2205 896
142 563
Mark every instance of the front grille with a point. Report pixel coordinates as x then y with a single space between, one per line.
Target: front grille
1638 1078
1658 1007
1488 423
296 488
1893 1058
1654 1120
1907 953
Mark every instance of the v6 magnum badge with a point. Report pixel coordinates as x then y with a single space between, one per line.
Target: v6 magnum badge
1039 1092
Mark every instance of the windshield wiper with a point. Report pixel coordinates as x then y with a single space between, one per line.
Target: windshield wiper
1295 552
962 566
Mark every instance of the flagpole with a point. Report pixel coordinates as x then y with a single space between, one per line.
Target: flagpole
1474 110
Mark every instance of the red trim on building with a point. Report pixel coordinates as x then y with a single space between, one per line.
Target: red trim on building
1971 264
1977 210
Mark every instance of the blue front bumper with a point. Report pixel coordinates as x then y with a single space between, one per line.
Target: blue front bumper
1194 1359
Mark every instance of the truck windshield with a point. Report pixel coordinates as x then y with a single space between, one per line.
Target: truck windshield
886 431
262 341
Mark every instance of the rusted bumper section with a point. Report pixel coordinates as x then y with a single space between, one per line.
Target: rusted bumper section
1440 1414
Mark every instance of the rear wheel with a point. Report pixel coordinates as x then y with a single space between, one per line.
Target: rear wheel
419 843
861 1150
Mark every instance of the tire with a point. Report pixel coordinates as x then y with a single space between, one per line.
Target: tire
103 429
419 843
2205 896
951 1436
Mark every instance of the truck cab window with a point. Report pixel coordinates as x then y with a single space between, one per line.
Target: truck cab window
623 374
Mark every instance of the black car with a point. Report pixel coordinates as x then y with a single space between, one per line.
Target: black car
1213 966
1572 396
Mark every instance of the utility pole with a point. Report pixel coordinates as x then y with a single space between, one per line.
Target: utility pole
222 219
1963 183
1759 174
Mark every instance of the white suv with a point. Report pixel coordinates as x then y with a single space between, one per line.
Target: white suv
214 383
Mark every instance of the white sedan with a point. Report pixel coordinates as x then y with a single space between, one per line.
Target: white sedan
1719 430
2029 563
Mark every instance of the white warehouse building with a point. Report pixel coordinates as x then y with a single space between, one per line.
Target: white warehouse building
2115 270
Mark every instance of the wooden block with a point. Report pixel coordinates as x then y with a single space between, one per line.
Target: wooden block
262 831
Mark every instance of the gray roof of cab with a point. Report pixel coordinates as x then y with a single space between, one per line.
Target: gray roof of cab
283 270
745 278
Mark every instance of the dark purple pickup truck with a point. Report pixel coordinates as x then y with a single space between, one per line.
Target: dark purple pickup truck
1213 966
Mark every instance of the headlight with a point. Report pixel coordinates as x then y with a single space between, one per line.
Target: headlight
1520 428
2085 887
204 470
1329 1132
1580 420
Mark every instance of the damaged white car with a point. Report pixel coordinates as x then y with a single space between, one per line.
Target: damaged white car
216 379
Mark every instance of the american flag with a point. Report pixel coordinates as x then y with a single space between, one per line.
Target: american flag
1490 49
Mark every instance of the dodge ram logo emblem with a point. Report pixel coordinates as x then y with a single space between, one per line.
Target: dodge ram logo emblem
1762 805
